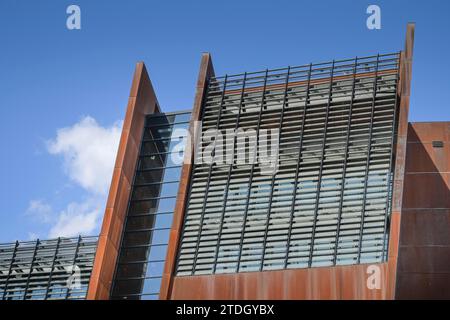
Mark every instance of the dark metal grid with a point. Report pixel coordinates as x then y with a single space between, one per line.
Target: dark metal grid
68 291
319 181
297 169
5 286
47 289
34 268
363 67
344 168
209 175
252 171
31 267
227 184
366 174
272 184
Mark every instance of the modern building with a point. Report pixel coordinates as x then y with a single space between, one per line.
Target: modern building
46 269
351 202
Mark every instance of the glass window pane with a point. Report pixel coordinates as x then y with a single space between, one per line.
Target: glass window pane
152 206
159 119
185 117
167 205
158 221
131 270
155 190
124 287
151 285
150 297
133 254
157 253
154 269
172 174
143 207
151 162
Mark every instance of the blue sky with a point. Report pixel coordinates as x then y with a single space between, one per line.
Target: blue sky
53 78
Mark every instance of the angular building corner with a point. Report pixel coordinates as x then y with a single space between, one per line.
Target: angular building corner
358 208
142 101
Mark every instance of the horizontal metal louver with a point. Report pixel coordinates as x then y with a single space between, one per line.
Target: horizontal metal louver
329 201
58 269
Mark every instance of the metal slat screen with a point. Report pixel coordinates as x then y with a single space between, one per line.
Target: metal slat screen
58 269
328 203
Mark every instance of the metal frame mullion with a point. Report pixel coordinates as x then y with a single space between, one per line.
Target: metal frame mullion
261 266
384 250
366 174
74 261
252 170
208 181
297 170
31 268
13 258
319 180
344 167
52 269
227 185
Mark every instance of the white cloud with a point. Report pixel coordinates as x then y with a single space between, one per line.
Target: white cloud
40 210
89 151
77 218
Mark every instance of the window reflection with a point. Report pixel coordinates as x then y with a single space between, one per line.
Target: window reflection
149 218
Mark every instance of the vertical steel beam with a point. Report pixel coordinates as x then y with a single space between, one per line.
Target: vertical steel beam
31 268
13 257
208 180
49 282
227 184
286 85
344 167
297 170
319 179
75 256
252 170
366 174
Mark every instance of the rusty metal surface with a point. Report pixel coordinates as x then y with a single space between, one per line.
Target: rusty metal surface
424 254
343 282
142 101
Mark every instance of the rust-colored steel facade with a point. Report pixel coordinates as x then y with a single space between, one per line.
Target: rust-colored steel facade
142 101
424 252
415 266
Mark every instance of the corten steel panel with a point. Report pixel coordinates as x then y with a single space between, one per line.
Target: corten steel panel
341 282
424 263
142 101
205 73
404 90
422 227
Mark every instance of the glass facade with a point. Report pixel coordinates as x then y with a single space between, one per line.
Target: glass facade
58 269
146 233
329 201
